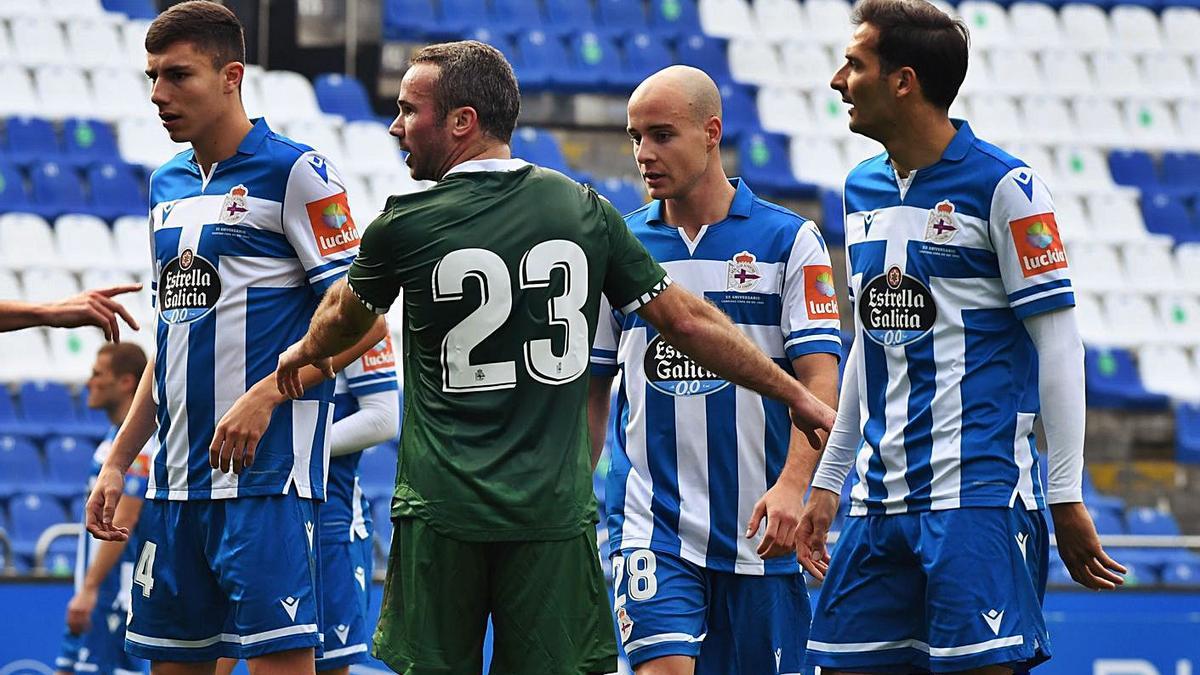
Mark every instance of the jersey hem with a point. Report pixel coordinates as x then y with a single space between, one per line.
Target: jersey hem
724 565
302 491
859 508
492 534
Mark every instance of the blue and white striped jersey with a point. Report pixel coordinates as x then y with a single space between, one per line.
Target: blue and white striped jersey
241 258
346 515
692 453
941 274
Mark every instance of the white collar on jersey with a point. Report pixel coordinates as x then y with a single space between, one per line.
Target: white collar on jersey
488 165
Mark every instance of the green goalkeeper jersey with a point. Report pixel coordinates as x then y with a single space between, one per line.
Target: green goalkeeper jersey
502 265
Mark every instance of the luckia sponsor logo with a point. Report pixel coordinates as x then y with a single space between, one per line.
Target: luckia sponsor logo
673 372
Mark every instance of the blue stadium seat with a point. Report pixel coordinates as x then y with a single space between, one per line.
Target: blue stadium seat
1113 382
674 18
20 465
1187 433
88 142
1181 171
460 17
343 95
567 17
377 471
644 56
707 54
13 196
1133 167
595 63
68 465
544 63
1181 574
541 147
93 422
764 162
624 195
116 190
739 111
515 16
56 190
11 420
622 17
1106 521
1166 213
833 219
1146 520
408 19
30 514
134 9
1141 570
1058 574
48 408
31 140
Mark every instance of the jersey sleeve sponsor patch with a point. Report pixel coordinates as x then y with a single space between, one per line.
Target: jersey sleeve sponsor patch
820 297
332 224
1039 248
379 357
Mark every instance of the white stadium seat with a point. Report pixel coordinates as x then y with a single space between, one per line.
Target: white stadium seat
26 242
1181 25
369 148
1131 319
43 284
131 236
755 62
38 40
1116 217
83 242
10 287
856 148
1167 370
818 161
1066 72
1073 223
1150 266
72 352
1046 118
1187 261
74 9
779 20
133 42
143 141
399 183
35 357
1089 319
1120 74
1086 27
1167 75
322 136
1095 267
63 91
1099 122
95 42
1179 315
727 18
807 65
251 91
1034 24
19 97
988 23
124 94
784 110
996 118
829 114
1038 159
288 97
1151 124
1136 28
828 22
1014 72
13 8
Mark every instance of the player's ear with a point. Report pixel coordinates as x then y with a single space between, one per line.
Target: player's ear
714 129
905 82
463 121
231 76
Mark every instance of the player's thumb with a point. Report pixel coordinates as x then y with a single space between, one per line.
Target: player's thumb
110 508
760 512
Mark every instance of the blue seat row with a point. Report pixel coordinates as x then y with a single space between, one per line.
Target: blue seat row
47 409
29 140
343 95
134 9
1177 172
51 189
61 473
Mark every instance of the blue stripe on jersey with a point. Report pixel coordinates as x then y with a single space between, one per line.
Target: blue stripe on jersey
663 462
876 395
316 465
251 242
321 269
257 163
201 409
722 477
262 356
1040 288
834 342
369 378
966 263
618 473
918 433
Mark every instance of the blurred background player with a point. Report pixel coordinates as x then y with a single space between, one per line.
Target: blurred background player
249 230
96 614
94 307
965 336
502 265
694 591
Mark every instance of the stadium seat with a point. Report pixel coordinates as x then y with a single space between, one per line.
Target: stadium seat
12 190
1113 382
30 140
10 288
1180 315
288 97
48 407
829 113
63 91
818 161
1046 118
1121 222
1147 520
1082 169
126 96
134 9
1086 27
644 56
1136 28
1132 322
1181 574
20 462
988 23
343 95
623 17
1087 314
1065 72
1166 75
784 110
1142 567
83 242
540 147
95 42
514 16
567 17
15 8
73 351
131 236
707 54
755 61
93 422
408 19
1014 72
57 189
1167 370
1072 219
25 242
779 20
35 358
321 134
87 141
143 141
766 165
47 284
727 19
1166 214
377 471
370 148
38 41
1181 172
133 42
624 195
115 191
828 21
460 17
997 118
68 464
806 65
1122 75
739 110
1152 124
1181 25
595 64
544 61
75 9
19 97
1034 24
1099 122
1134 168
1106 522
30 515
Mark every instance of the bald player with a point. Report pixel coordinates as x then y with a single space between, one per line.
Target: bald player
708 479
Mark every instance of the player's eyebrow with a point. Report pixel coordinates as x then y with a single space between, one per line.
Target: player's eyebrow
152 73
651 129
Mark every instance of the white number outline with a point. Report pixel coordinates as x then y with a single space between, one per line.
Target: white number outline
563 311
143 572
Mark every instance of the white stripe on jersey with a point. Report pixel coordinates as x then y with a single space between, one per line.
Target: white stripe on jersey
1024 458
945 460
639 520
691 439
358 522
176 388
304 425
752 474
704 275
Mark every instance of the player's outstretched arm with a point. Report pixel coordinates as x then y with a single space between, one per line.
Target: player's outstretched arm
94 307
236 437
703 332
783 504
338 324
135 431
108 554
1061 390
599 400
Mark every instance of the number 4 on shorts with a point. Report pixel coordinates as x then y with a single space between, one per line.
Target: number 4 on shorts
143 572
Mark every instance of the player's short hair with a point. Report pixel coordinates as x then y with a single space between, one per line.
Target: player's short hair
478 76
916 34
211 28
125 358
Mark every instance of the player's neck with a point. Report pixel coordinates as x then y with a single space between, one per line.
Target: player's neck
475 152
706 203
223 141
117 413
921 142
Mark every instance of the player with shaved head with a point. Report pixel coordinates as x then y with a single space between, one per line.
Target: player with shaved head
702 585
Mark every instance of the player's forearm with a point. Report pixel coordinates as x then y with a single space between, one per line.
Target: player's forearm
15 315
108 553
376 421
311 376
338 324
1061 390
844 440
599 395
819 373
138 426
703 332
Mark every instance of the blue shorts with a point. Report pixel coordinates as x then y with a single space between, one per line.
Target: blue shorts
937 591
730 623
233 578
101 650
346 569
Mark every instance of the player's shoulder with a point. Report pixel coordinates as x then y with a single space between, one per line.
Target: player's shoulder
990 164
871 168
171 177
640 216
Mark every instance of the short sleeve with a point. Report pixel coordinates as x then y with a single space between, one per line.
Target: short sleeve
1029 250
632 277
317 221
810 322
373 277
373 372
604 346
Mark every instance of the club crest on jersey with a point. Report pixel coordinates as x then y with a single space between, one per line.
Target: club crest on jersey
188 288
234 208
379 357
625 624
743 272
677 374
896 309
332 224
940 227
